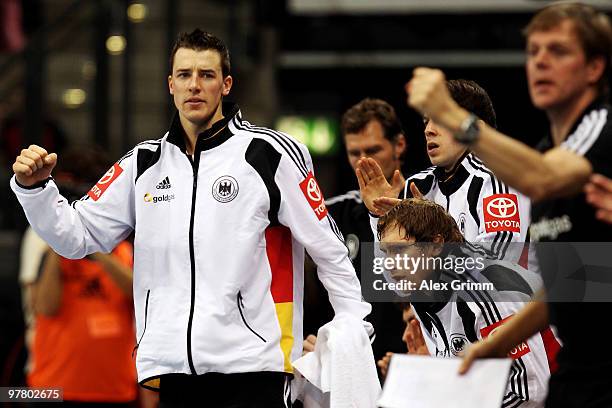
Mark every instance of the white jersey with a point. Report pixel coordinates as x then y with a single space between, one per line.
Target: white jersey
485 209
219 246
461 317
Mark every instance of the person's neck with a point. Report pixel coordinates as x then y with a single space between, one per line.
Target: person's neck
192 130
451 169
562 118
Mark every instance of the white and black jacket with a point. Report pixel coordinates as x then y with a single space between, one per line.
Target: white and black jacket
485 209
457 318
219 245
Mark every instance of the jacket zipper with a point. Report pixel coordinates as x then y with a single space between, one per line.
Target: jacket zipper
240 307
144 330
194 164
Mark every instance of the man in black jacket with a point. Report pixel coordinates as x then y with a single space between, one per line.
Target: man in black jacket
370 128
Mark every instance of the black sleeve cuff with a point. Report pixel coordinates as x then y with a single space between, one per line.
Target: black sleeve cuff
42 183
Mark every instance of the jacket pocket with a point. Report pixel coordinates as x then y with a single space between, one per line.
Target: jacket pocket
240 304
144 330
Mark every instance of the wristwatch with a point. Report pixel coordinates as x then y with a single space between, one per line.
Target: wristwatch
469 130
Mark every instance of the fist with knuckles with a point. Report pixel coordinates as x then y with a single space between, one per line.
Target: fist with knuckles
429 95
33 165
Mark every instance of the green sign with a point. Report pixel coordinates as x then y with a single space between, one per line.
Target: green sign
319 134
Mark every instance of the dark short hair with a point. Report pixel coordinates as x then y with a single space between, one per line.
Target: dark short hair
421 219
472 97
200 40
593 29
357 117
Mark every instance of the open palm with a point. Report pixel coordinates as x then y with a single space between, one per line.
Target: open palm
373 185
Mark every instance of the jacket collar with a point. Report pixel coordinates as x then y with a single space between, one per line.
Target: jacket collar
450 182
218 133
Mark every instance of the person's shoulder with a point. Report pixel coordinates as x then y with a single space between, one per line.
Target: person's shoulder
507 276
476 167
352 197
283 142
606 131
593 128
422 174
142 156
152 145
273 144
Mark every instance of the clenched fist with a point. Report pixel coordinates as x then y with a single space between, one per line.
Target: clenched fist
34 164
429 95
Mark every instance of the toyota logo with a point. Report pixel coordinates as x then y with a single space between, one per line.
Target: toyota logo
313 190
108 176
494 330
501 207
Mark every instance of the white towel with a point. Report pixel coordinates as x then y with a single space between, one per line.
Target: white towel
341 369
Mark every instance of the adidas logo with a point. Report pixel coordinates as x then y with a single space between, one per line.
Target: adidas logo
164 184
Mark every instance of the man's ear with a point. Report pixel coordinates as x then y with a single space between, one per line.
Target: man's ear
400 145
227 85
596 69
170 85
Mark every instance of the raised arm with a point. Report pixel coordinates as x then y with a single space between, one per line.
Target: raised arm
96 223
556 173
532 319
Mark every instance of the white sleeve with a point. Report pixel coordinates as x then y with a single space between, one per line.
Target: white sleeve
95 223
302 210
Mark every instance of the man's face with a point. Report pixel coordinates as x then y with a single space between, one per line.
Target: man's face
371 142
394 242
442 148
197 85
557 70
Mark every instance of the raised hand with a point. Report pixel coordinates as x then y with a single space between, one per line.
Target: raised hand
34 164
374 185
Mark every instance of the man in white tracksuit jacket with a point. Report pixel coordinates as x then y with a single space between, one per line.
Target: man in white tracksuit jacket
222 211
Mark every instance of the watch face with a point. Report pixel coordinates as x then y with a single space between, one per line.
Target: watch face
469 130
